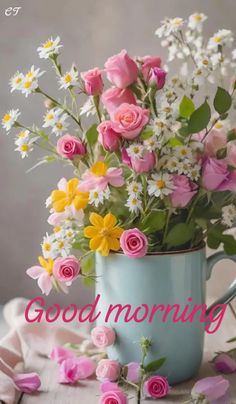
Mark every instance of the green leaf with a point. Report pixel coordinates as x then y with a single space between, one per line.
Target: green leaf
229 244
221 153
213 241
76 245
186 107
199 118
184 131
88 282
155 365
232 339
180 234
216 237
88 264
174 141
146 134
92 135
155 221
231 135
222 101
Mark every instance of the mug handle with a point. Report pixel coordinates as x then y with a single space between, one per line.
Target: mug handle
230 294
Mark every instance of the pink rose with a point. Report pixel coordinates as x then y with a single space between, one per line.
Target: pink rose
114 97
129 120
27 382
183 192
217 177
108 137
157 78
121 70
156 387
103 336
66 269
224 363
59 354
148 63
70 146
113 397
134 243
214 141
231 154
68 371
139 165
134 372
93 81
108 369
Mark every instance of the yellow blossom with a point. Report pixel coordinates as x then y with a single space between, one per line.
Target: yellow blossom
72 196
46 264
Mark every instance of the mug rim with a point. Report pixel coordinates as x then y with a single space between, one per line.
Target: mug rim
200 247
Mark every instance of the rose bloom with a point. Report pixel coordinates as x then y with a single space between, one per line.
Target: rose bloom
108 137
231 154
70 147
139 165
214 141
129 120
27 382
121 70
103 336
156 387
217 177
66 269
108 369
224 363
134 243
93 81
113 397
157 77
114 97
184 191
149 62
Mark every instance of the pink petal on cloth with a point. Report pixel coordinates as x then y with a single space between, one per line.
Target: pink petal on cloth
27 382
68 371
35 272
45 283
86 367
59 354
212 387
62 184
224 363
108 386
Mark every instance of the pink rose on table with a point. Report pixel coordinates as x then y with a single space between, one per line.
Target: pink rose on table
66 269
214 141
231 154
157 77
134 372
85 367
103 336
27 382
70 146
59 354
156 387
149 62
93 81
108 370
114 97
217 177
211 389
139 165
112 394
68 371
183 192
121 70
108 137
129 120
134 243
224 363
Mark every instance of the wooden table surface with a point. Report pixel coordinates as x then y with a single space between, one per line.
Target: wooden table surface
87 392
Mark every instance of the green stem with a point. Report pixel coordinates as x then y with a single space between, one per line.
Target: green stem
167 225
96 99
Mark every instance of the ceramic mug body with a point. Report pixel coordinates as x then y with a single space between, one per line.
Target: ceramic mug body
168 279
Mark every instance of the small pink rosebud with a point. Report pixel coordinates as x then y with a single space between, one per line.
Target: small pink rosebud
108 137
66 269
108 370
27 382
103 337
134 372
70 147
68 371
224 363
134 243
149 62
59 354
114 97
157 78
93 81
121 70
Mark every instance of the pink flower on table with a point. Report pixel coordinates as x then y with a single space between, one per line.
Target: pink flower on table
108 370
183 192
70 147
149 62
99 176
231 154
224 363
157 77
134 372
108 137
27 382
43 273
134 243
156 387
142 164
121 70
129 120
214 141
103 336
66 269
68 371
59 354
211 388
85 367
109 386
113 397
93 81
114 97
217 177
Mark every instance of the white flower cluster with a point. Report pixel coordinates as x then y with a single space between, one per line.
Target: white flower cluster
25 143
229 215
26 83
97 197
56 119
59 243
135 190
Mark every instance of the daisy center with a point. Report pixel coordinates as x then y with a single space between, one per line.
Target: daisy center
59 125
24 147
7 118
68 78
197 18
48 44
27 84
160 184
46 246
18 80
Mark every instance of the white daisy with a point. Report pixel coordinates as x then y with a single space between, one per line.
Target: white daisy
97 197
134 204
183 152
70 78
49 48
152 144
169 26
48 246
172 164
24 146
51 117
196 20
62 247
28 86
223 37
194 172
161 185
57 230
229 215
184 167
33 73
135 150
24 134
134 188
10 118
60 125
16 81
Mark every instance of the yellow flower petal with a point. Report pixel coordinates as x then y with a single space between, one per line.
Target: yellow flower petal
96 220
56 195
81 200
116 232
104 248
113 243
95 243
72 184
109 221
91 231
42 261
60 205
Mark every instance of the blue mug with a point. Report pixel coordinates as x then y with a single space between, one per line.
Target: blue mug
157 296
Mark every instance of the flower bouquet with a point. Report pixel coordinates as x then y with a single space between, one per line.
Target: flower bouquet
153 154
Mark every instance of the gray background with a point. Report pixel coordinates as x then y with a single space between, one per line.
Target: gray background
91 31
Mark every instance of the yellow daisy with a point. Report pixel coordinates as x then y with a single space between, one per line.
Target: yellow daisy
70 195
